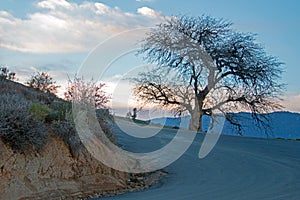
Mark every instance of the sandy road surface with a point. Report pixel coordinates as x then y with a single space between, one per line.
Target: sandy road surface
237 168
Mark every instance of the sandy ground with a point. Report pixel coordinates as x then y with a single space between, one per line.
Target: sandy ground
237 168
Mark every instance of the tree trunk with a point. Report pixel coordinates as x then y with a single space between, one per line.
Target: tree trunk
196 115
196 122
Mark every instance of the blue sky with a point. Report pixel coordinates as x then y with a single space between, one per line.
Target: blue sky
57 35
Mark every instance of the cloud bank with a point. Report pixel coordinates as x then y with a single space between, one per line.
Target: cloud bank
60 26
291 103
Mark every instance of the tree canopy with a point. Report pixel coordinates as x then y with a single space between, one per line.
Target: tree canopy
218 69
42 81
5 73
88 92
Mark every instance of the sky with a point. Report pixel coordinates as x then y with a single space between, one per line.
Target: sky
57 35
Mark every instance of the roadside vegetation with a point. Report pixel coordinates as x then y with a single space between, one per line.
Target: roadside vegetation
31 113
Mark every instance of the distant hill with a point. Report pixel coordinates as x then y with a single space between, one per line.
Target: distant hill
281 125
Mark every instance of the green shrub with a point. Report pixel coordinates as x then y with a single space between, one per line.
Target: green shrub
59 111
21 131
66 131
18 128
106 121
103 114
39 111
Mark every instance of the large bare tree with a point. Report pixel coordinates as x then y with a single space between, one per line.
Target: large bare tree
205 66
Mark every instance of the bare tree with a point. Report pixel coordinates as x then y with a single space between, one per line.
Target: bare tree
5 73
88 92
218 69
42 81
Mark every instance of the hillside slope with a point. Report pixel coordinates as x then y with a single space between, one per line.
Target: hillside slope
41 156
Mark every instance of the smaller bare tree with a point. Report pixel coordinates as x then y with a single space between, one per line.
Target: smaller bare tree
42 81
87 92
5 73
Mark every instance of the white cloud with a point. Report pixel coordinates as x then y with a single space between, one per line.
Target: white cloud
53 4
60 26
145 0
148 12
292 103
102 9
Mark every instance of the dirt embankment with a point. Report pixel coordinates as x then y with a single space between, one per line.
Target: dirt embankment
41 156
54 173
